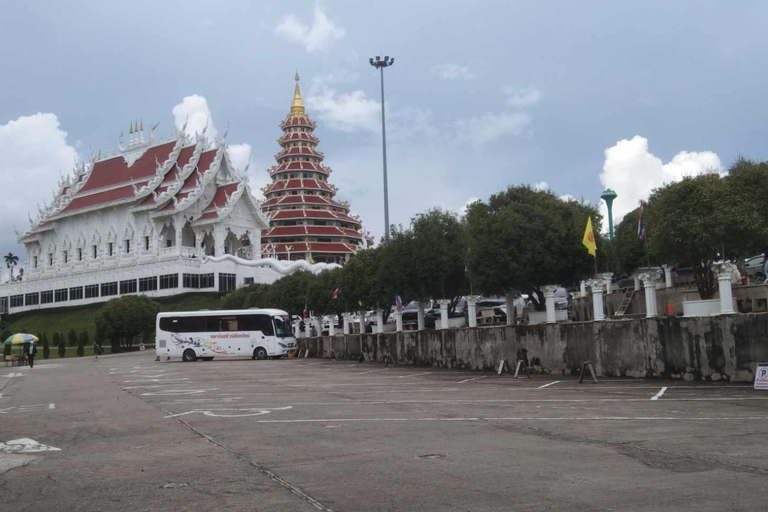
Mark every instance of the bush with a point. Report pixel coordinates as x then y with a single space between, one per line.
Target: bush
72 338
62 346
46 348
56 340
126 319
82 342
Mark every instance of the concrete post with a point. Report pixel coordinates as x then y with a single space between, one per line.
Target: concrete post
724 281
420 315
637 283
361 314
399 321
608 278
347 323
649 280
319 325
596 285
583 288
510 300
549 297
667 276
332 327
380 321
472 310
444 303
297 328
308 327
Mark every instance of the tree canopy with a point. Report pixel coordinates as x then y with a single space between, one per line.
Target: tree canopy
124 319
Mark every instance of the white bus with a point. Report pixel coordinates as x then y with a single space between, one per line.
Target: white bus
255 333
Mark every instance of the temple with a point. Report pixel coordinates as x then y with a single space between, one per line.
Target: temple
158 218
306 222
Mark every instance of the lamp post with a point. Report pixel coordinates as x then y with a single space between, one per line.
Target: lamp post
608 196
380 64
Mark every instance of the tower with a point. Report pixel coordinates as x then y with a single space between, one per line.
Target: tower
306 222
608 196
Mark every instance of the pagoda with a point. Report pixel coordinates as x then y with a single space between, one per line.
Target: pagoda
306 222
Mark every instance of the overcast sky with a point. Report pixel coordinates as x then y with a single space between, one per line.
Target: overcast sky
570 96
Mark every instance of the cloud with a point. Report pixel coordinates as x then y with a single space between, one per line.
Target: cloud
317 37
465 206
453 72
542 185
35 152
633 172
522 98
490 127
194 111
567 197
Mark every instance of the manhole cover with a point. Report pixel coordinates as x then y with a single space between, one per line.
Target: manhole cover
430 456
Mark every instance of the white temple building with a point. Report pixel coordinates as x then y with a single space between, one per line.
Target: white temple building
160 218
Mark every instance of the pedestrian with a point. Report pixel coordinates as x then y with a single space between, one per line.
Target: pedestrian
96 350
32 351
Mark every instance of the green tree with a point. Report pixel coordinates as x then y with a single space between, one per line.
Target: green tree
56 339
72 338
6 348
82 342
362 281
62 345
123 320
699 220
521 239
11 260
629 248
46 348
290 292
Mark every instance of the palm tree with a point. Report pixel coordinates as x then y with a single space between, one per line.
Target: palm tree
11 260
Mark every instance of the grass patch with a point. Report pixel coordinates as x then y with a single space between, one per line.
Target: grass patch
80 318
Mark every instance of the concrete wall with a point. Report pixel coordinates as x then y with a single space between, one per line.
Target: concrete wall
710 348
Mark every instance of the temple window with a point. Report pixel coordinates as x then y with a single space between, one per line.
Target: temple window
34 261
65 254
79 254
146 243
95 251
110 248
50 259
127 247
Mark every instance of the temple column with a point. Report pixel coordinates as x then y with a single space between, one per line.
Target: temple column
379 321
667 275
332 328
219 235
319 325
307 327
608 278
347 322
596 285
583 288
297 328
444 303
420 315
724 282
472 310
637 282
177 225
649 280
399 321
361 315
509 298
549 297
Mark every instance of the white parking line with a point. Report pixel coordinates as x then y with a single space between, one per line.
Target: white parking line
659 394
546 385
526 418
470 380
413 375
363 373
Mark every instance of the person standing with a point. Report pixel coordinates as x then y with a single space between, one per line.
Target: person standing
31 353
96 350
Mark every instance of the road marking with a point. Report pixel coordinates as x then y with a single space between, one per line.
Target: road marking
362 373
524 418
26 408
659 394
26 445
12 375
546 385
168 381
214 412
470 380
174 392
413 375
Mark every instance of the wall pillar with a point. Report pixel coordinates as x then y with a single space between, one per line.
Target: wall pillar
297 328
347 323
319 325
361 314
420 315
509 298
308 327
597 285
724 282
583 288
667 275
332 327
637 283
399 321
472 310
549 297
608 278
379 321
444 303
650 279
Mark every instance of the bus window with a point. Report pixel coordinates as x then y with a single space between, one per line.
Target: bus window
256 323
228 323
282 327
181 324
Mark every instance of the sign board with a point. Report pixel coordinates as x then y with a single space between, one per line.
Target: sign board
761 376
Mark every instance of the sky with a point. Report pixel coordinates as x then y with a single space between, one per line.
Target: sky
567 96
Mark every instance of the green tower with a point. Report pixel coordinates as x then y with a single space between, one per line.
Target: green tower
608 196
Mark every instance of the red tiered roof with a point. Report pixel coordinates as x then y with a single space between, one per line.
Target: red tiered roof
297 137
115 194
113 171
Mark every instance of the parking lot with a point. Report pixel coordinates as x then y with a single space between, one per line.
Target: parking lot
307 434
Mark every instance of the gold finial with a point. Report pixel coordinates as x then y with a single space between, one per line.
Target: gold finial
130 129
297 107
142 125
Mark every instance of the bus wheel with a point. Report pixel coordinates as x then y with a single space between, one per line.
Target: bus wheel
207 358
260 353
189 356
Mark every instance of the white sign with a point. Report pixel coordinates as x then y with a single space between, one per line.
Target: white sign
761 376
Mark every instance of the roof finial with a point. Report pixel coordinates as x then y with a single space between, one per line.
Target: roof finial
297 107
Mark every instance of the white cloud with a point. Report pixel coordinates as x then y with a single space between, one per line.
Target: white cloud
239 155
317 37
490 127
195 112
35 152
522 98
453 72
567 197
465 206
542 185
633 172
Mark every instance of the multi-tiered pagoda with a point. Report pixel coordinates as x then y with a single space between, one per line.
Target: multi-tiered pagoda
306 222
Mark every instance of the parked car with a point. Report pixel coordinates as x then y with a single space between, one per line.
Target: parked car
754 267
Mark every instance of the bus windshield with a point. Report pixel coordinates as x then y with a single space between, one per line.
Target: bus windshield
282 326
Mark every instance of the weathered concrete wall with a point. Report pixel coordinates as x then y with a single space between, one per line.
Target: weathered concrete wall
710 348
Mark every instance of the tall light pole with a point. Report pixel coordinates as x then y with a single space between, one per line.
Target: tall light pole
380 64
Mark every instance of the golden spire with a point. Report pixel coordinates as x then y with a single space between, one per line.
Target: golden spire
297 107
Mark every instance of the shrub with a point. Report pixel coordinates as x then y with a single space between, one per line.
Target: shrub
126 319
56 340
62 347
72 338
82 342
46 348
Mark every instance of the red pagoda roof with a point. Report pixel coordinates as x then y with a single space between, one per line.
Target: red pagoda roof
115 194
113 171
298 137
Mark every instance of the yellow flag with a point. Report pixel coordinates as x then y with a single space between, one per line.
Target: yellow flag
589 238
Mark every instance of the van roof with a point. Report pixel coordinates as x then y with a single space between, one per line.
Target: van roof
226 312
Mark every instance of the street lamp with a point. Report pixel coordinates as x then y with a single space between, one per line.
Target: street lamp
380 64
